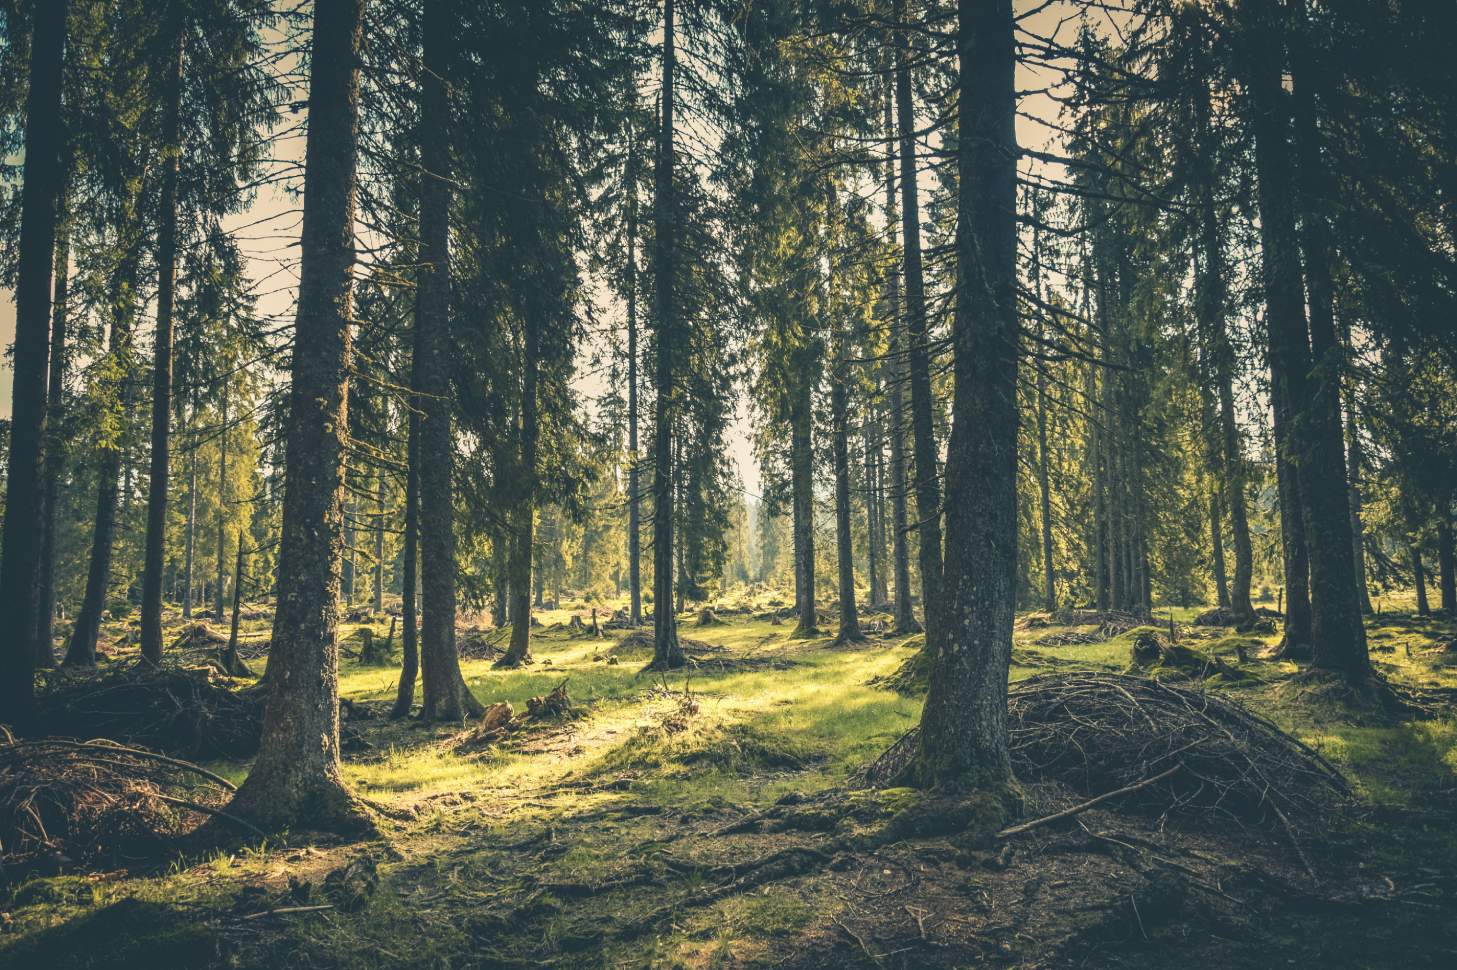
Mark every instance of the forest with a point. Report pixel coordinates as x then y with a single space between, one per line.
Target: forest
728 483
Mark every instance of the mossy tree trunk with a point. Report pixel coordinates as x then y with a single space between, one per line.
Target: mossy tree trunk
296 781
409 564
54 461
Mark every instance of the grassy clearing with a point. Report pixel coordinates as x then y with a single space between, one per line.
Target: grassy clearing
536 849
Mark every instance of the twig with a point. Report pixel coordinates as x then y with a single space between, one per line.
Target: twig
219 813
290 909
1007 833
115 748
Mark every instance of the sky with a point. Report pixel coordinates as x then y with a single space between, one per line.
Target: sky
268 233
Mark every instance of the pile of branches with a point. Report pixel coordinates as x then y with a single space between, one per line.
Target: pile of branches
1069 638
179 710
478 644
1096 733
501 720
70 805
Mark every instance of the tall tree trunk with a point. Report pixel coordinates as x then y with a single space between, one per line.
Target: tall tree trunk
923 428
446 696
81 650
409 563
230 660
870 438
963 740
801 468
1294 557
159 474
1313 439
1216 538
379 497
296 778
190 547
500 564
1446 568
905 617
634 513
849 631
1419 576
667 654
1044 489
523 546
222 537
39 205
55 456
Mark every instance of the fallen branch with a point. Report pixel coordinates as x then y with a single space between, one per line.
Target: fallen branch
1007 833
290 909
216 812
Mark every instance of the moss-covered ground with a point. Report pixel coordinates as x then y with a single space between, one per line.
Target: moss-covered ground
683 820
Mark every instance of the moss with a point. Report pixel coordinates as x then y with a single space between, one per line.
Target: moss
130 933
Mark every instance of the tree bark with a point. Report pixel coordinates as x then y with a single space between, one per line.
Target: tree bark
1446 567
1216 538
634 512
409 565
667 654
158 478
849 631
1419 577
1312 438
190 549
963 739
81 650
445 696
801 468
518 651
55 459
1044 489
39 202
296 780
905 617
923 427
379 497
222 545
230 660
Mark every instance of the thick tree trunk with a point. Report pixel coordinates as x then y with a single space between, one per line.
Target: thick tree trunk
1355 460
445 696
296 781
667 654
905 617
158 478
1216 539
1312 439
923 427
963 741
409 567
500 564
1294 557
55 456
39 206
81 650
1419 576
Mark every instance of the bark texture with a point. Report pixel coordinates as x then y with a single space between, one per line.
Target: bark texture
296 780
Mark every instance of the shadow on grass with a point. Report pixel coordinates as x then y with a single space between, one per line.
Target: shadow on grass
127 934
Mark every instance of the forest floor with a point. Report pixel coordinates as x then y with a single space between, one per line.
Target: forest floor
706 819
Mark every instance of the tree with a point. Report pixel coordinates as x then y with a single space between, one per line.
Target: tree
296 779
963 741
40 196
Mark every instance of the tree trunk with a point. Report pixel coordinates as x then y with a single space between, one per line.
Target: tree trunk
158 478
923 428
1313 439
500 564
1044 489
905 617
191 542
222 550
230 660
1419 576
801 467
1446 570
849 631
667 654
1295 560
634 514
81 650
963 741
296 779
379 497
873 549
409 565
446 696
518 652
39 203
55 454
1216 538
